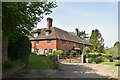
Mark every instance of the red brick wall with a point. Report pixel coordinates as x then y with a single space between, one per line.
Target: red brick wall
55 44
67 45
43 44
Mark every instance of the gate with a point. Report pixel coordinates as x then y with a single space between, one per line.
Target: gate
70 59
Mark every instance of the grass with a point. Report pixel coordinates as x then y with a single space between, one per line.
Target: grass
11 64
41 62
108 63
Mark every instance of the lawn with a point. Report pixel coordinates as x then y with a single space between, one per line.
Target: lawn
41 62
108 63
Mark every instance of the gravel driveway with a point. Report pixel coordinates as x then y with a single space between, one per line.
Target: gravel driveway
86 70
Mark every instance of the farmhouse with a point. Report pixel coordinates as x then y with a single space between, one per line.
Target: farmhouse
49 39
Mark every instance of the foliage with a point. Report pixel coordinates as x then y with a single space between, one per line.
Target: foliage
115 50
82 34
95 55
41 62
97 41
19 49
57 52
22 17
70 52
11 64
118 64
98 59
108 63
86 50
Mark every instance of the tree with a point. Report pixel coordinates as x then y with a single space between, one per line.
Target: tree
81 34
21 17
97 41
117 43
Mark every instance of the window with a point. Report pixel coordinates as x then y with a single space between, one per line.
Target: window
35 34
75 44
49 50
36 42
36 50
47 33
48 41
63 42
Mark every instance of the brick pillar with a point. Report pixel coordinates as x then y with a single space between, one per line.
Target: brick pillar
4 49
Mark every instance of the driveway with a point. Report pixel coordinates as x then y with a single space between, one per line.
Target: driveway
70 70
86 70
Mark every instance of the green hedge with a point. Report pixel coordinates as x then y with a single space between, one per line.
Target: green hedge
19 49
95 55
57 52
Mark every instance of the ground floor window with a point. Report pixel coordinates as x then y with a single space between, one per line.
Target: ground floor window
49 50
36 50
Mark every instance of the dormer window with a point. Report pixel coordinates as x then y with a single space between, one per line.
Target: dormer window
35 34
47 33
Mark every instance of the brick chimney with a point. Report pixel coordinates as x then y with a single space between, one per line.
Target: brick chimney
49 23
77 31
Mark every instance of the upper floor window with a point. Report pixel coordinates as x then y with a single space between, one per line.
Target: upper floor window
36 42
35 34
48 41
75 44
47 33
63 42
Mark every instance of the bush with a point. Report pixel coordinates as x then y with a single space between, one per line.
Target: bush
98 59
118 64
86 50
70 52
19 49
57 52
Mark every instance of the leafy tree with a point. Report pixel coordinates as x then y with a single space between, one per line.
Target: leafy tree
115 50
82 34
117 43
21 17
97 41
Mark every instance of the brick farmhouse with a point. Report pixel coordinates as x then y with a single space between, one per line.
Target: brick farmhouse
49 39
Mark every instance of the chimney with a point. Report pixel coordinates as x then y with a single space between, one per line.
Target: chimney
77 31
49 23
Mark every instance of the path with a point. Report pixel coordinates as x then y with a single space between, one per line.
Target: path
70 70
86 70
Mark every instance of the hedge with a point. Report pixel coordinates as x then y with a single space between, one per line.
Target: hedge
19 49
95 55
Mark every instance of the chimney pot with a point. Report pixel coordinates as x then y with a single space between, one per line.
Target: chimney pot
49 23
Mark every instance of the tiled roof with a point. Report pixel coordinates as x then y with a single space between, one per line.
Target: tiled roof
59 34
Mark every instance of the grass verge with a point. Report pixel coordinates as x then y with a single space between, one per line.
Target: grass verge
41 62
108 63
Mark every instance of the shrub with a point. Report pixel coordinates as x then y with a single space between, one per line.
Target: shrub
19 49
86 50
57 52
118 64
98 59
70 52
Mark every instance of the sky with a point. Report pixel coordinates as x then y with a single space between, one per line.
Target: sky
87 16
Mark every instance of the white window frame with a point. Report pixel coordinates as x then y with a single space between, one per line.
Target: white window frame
35 34
63 42
49 50
36 50
74 44
48 41
37 42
